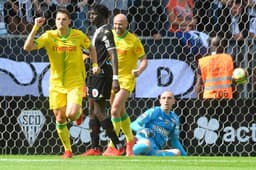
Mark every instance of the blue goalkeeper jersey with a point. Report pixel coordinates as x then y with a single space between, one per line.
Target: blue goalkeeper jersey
164 126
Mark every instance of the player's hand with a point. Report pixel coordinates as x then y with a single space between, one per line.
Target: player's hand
39 21
115 86
96 70
146 132
136 72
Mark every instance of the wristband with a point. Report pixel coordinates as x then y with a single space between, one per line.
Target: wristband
95 65
115 77
35 28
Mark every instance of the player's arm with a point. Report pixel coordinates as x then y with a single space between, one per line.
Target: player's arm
199 86
143 119
93 56
115 84
110 45
136 125
139 125
143 65
29 44
114 60
140 53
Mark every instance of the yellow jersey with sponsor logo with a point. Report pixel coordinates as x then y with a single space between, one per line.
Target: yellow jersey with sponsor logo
129 51
65 56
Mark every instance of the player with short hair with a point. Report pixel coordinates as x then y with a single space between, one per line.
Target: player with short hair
99 86
155 127
64 47
130 50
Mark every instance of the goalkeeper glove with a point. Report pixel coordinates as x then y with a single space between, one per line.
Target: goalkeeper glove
146 132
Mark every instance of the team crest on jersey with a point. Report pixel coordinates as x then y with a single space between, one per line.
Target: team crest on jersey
95 92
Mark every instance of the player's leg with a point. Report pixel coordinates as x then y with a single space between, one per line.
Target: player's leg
99 109
167 152
102 85
58 103
71 111
94 126
74 103
80 120
116 120
142 146
119 106
63 132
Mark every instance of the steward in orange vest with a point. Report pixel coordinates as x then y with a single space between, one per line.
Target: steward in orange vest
216 72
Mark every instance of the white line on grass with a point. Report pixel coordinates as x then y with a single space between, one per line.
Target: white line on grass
130 160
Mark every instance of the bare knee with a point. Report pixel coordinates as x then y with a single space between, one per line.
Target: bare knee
114 111
73 111
60 115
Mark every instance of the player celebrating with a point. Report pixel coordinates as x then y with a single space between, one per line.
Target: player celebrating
156 126
99 86
130 50
64 48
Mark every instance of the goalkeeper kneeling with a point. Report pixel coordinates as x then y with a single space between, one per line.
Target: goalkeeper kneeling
155 127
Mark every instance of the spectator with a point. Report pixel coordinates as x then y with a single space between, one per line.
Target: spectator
215 73
115 6
180 14
233 26
80 20
206 13
2 23
19 15
146 18
76 8
193 44
156 126
252 16
252 42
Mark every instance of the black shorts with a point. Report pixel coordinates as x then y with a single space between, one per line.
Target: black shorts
99 86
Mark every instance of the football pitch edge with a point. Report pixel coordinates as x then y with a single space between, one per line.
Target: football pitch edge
53 162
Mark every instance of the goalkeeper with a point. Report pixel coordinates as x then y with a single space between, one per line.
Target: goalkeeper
155 127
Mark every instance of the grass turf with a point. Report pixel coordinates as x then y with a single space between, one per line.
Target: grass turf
53 162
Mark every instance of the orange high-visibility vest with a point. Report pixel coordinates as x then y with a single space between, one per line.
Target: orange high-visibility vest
216 71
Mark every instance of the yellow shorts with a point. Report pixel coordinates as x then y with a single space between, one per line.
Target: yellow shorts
127 83
58 99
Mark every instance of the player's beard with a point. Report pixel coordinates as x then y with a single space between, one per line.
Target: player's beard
119 31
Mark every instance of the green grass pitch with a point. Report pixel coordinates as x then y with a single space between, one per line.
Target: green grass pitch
54 162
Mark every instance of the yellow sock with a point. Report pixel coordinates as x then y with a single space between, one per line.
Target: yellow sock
117 127
125 126
63 133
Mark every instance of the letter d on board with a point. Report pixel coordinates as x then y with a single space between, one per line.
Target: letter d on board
164 76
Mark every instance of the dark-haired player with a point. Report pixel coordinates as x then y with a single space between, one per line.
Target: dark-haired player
100 86
64 48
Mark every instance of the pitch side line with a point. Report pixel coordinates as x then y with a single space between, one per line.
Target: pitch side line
125 160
